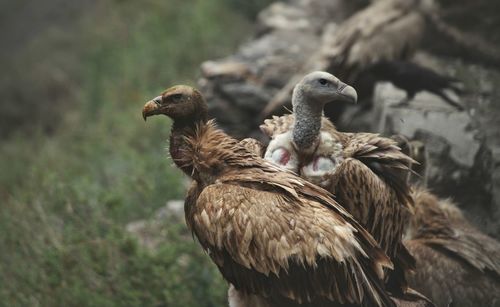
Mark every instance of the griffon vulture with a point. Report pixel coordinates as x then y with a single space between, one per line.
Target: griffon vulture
457 265
366 172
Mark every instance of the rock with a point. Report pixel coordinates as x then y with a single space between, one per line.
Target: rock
305 14
245 96
463 147
173 210
150 233
428 113
281 15
242 84
230 70
236 90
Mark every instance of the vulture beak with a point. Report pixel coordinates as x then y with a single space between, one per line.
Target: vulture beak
347 92
151 107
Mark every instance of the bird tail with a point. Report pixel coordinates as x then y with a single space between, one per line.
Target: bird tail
403 262
383 298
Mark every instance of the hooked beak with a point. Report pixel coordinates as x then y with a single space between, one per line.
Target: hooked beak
347 92
151 107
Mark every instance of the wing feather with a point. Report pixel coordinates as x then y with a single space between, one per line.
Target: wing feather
448 280
263 251
277 125
441 225
385 159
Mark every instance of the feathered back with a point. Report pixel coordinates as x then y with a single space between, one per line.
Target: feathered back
439 223
457 264
275 234
369 178
384 158
211 151
253 145
277 125
381 155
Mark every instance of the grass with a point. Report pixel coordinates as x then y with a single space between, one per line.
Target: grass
67 197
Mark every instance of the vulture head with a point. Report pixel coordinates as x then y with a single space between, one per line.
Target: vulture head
180 102
308 100
319 88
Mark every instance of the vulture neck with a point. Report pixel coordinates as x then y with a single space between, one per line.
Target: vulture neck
182 128
307 122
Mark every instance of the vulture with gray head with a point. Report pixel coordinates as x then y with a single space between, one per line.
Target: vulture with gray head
457 265
385 30
278 239
366 172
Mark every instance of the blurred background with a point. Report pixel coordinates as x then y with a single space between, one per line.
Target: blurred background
88 213
78 163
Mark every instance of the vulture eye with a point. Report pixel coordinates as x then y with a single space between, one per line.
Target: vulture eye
323 81
176 97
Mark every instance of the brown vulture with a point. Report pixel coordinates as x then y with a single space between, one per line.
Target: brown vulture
366 173
457 265
278 239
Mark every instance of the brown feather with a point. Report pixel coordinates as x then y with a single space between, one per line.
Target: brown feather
456 262
271 233
243 212
254 146
369 180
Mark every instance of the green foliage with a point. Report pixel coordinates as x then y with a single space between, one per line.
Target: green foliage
249 8
67 197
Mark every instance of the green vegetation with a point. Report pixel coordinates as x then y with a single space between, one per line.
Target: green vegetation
68 192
